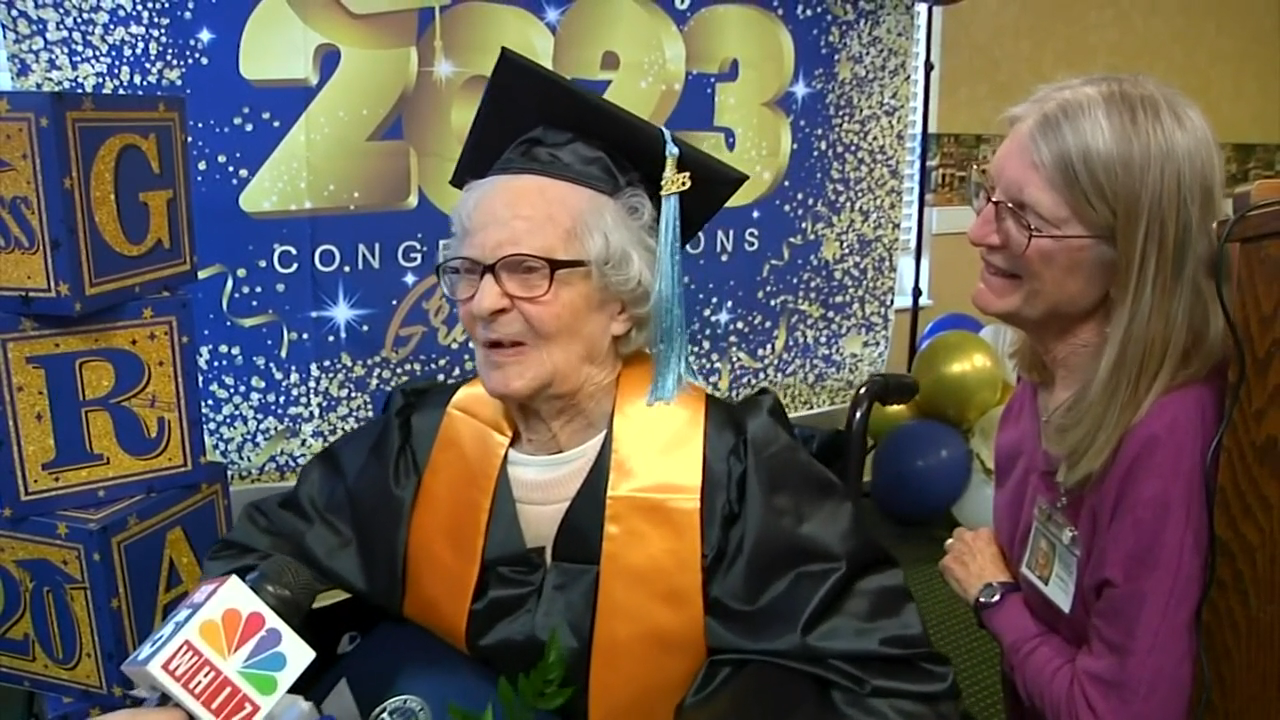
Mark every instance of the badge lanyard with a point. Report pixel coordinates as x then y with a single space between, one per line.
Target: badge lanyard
1053 553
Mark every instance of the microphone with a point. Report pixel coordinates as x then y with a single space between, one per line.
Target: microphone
223 654
883 389
287 586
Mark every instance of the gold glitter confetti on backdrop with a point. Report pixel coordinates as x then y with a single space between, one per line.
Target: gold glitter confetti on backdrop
832 284
97 45
827 289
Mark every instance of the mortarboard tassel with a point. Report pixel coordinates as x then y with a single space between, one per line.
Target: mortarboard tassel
669 342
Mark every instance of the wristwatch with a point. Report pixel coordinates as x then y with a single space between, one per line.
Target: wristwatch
992 593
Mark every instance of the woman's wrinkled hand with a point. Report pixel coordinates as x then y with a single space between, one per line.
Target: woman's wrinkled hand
973 559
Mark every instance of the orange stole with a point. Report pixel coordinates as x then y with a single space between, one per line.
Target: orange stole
649 637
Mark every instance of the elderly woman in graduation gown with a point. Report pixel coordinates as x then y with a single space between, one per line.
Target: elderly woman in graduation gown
690 557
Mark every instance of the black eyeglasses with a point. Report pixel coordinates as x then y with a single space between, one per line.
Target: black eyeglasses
520 275
1012 225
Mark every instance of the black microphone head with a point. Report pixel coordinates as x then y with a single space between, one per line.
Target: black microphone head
288 586
293 575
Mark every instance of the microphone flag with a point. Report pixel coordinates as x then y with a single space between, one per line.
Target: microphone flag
223 654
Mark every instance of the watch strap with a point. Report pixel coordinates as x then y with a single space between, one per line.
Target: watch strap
993 593
1000 590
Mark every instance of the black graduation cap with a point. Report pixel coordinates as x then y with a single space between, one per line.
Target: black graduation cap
531 120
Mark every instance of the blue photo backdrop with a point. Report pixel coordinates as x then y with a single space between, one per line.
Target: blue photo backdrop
323 133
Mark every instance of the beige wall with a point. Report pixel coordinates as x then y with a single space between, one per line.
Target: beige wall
1225 54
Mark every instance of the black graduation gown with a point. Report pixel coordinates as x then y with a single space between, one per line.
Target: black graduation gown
806 615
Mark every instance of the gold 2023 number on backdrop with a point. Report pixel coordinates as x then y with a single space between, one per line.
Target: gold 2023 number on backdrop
334 159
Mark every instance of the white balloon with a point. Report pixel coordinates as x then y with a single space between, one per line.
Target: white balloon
974 508
1002 338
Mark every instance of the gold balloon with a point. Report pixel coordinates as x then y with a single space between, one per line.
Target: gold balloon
1008 393
960 377
884 418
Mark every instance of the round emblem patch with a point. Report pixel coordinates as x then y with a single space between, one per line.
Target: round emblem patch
402 707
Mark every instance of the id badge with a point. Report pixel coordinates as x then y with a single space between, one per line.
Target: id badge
1052 556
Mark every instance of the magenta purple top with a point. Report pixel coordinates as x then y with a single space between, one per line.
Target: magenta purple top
1127 649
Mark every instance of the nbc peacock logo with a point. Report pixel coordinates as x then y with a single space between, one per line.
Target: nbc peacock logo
228 635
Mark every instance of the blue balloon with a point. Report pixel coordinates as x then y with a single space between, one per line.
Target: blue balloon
919 470
947 322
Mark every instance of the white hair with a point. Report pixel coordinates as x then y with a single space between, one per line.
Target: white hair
618 236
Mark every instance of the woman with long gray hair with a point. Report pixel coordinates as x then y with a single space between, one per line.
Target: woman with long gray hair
1095 225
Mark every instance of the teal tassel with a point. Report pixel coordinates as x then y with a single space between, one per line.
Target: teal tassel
669 341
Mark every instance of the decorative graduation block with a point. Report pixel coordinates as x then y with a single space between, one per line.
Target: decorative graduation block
83 587
97 408
68 707
95 205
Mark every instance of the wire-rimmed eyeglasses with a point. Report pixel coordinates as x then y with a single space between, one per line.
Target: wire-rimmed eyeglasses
520 275
1013 226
